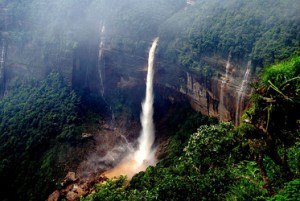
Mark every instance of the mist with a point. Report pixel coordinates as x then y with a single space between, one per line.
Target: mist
78 78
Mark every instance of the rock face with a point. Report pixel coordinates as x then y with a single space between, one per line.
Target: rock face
70 178
219 96
54 196
214 95
123 68
126 71
73 188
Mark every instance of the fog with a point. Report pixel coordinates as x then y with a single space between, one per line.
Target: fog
73 21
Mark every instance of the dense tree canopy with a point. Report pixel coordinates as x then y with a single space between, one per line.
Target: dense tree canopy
259 160
33 118
254 161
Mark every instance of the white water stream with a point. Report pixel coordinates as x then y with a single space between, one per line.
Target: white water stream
146 140
2 70
223 85
145 153
100 59
241 94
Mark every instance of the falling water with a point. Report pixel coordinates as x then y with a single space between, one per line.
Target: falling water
2 55
2 60
241 94
101 68
100 59
2 81
146 139
145 154
223 84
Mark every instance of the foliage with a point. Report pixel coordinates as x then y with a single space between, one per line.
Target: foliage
214 163
248 183
35 118
248 30
282 72
274 113
291 192
220 162
111 190
210 143
174 178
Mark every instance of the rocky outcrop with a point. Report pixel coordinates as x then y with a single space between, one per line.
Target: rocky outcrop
73 188
126 71
123 68
219 96
54 196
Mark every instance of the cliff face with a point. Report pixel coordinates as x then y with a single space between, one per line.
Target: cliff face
109 53
30 61
215 95
101 47
223 94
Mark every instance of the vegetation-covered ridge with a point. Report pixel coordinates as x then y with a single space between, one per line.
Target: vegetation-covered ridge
258 160
40 121
262 31
37 120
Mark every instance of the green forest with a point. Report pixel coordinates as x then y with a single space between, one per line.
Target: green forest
36 118
258 160
73 79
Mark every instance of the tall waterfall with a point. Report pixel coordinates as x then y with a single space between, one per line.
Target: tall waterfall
144 156
223 85
146 139
2 70
241 94
100 59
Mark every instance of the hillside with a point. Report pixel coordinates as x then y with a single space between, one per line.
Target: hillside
225 92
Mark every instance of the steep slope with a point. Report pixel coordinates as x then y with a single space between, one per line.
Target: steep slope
209 53
259 160
196 41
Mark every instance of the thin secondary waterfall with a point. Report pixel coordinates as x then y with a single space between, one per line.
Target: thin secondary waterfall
2 70
144 155
241 94
146 140
223 85
2 56
101 70
100 59
2 60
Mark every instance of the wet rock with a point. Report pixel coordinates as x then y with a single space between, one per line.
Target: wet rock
72 196
86 135
54 196
70 178
77 189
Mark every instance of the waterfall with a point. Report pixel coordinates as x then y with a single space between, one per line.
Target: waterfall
2 70
100 59
144 156
2 60
146 139
2 56
241 94
223 85
101 71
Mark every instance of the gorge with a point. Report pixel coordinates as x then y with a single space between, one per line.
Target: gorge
73 75
144 155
